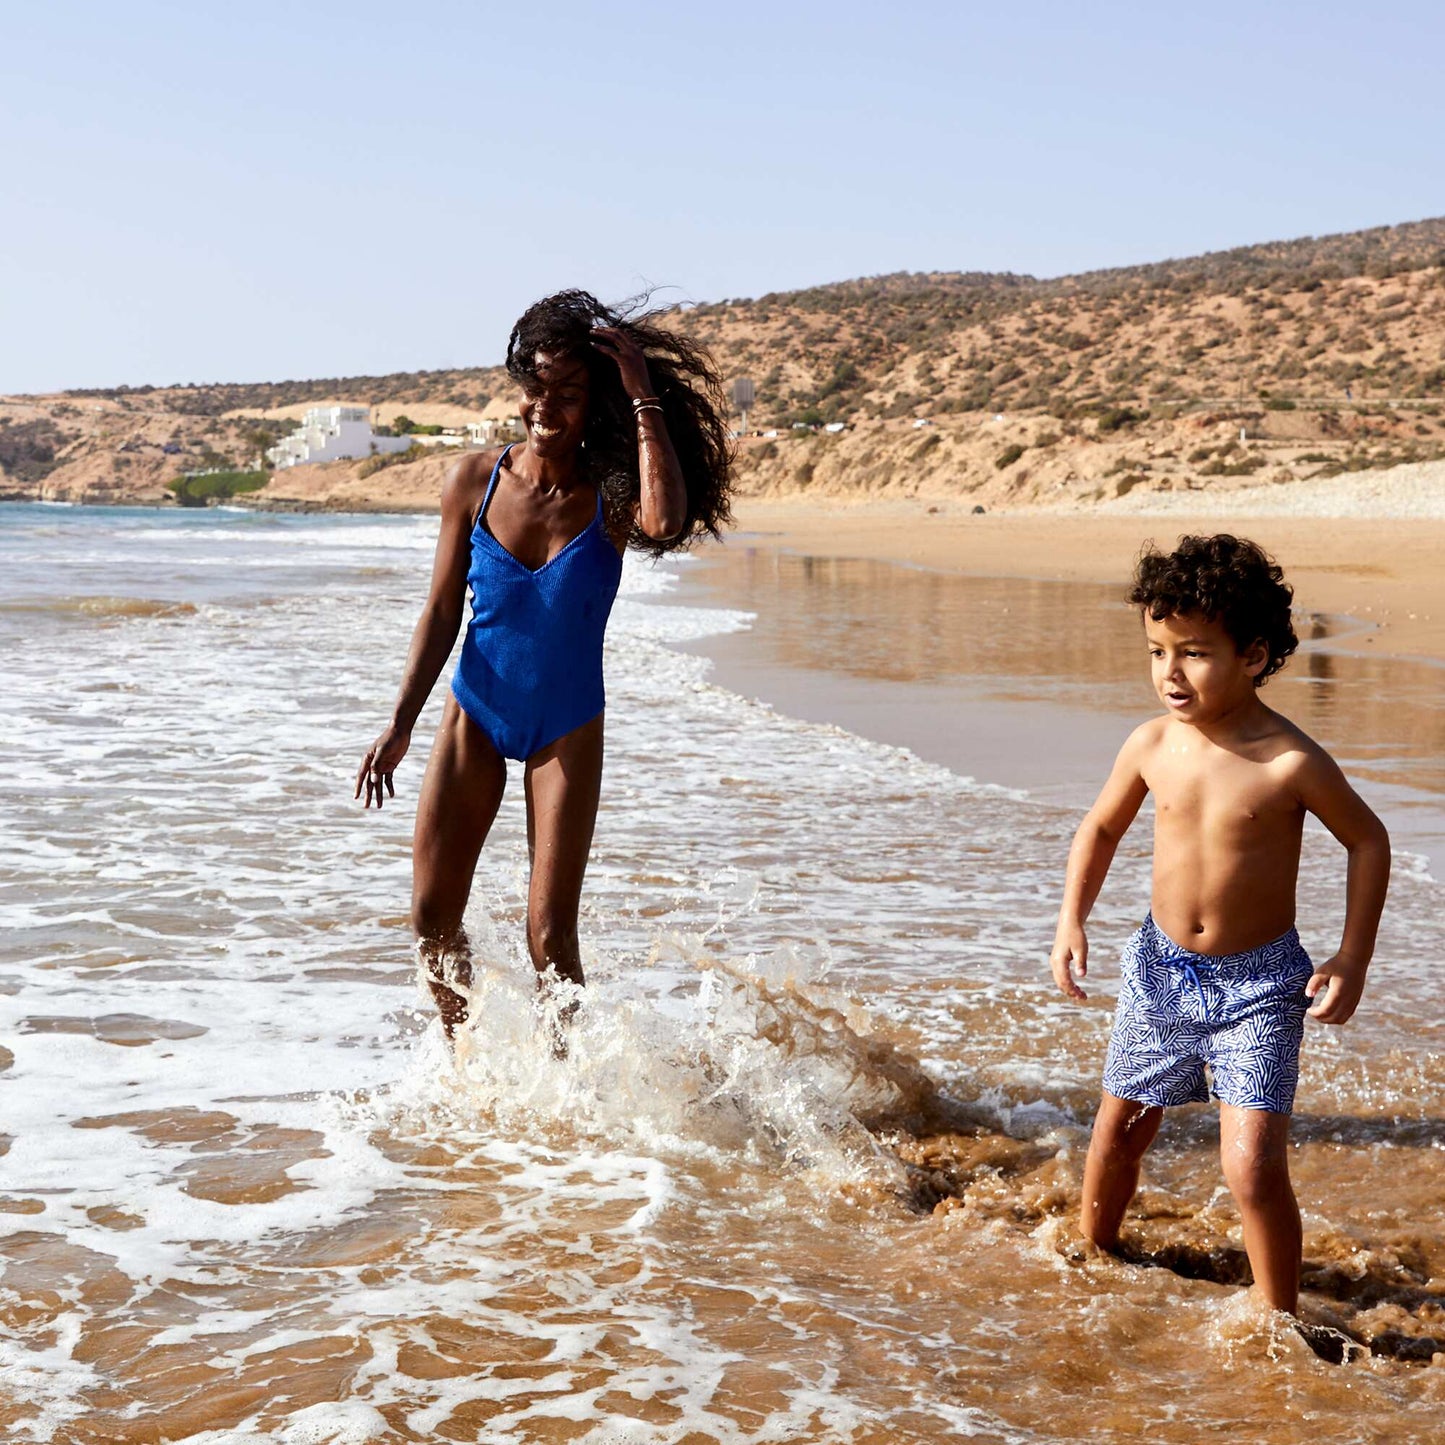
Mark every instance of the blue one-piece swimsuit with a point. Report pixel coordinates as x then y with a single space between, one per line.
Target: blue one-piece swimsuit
530 669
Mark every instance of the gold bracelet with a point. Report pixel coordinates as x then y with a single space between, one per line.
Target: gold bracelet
640 401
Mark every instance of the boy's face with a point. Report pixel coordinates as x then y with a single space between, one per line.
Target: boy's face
1198 672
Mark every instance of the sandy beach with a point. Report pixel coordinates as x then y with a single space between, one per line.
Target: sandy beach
700 1075
1383 571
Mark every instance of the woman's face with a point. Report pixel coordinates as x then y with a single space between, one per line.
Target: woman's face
553 406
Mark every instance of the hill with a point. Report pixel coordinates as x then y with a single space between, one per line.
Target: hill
1310 316
1266 362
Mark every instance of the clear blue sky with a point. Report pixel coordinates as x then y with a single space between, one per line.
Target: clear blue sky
203 192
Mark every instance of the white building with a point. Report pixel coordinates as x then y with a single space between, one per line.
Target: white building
329 433
431 443
494 429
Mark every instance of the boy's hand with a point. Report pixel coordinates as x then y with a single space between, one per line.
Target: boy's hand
1070 957
1336 987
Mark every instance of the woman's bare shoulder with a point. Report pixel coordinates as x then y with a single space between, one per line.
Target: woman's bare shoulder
465 483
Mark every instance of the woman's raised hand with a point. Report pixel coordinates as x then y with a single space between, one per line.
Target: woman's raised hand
629 356
380 762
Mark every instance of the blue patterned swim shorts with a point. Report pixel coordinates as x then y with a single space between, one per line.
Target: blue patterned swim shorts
1242 1014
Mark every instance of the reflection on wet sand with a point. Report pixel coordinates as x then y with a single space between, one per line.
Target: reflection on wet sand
127 1030
1069 654
905 624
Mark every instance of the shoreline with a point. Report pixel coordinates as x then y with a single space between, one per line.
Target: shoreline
1025 681
1361 546
1381 573
307 508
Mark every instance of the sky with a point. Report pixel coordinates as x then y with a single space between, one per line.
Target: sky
197 192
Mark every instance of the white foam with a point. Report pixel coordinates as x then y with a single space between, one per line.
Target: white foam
46 1377
772 906
342 1423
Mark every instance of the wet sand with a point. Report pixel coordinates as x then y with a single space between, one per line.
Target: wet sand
1384 572
1029 676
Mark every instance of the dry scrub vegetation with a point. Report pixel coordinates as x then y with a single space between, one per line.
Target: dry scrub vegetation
1265 363
1268 362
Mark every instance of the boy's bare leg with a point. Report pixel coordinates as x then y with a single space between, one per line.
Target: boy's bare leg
1123 1130
460 794
1253 1148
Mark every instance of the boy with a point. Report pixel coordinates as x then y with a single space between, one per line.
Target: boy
1217 975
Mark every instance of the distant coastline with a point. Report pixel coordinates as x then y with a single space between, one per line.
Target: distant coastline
1276 364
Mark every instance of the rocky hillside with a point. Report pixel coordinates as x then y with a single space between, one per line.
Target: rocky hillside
1268 362
1299 318
126 444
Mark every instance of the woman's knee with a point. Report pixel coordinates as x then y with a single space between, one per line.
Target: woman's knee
435 918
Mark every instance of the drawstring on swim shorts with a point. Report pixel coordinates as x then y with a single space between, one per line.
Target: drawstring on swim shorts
1187 964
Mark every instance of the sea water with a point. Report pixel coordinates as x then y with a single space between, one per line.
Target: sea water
808 1170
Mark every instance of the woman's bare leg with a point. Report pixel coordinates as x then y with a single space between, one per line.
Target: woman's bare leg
1253 1148
460 794
1123 1131
564 783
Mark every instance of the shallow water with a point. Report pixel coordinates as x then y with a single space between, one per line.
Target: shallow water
1034 683
808 1170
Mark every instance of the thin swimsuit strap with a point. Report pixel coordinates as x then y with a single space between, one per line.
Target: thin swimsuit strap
492 484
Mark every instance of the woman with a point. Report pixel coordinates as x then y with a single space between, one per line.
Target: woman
626 445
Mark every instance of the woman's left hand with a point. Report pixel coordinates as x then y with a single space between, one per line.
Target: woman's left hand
631 362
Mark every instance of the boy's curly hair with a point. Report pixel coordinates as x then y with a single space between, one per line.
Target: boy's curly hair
1226 579
687 383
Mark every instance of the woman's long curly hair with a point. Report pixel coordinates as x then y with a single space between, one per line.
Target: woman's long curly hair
685 380
1226 579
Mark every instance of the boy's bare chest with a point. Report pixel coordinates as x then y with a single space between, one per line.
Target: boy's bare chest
1222 796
